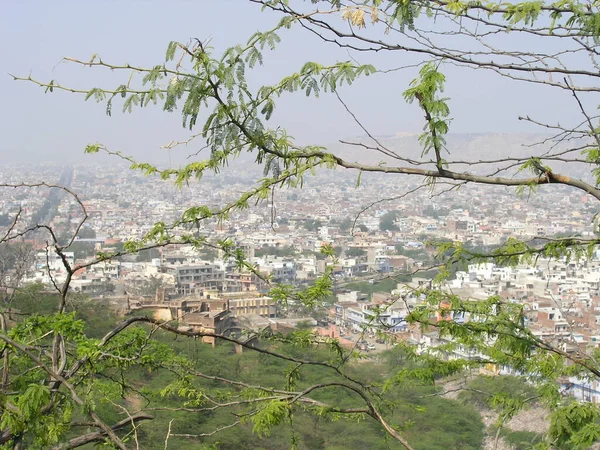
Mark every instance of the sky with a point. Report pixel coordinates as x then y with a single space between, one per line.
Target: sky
36 34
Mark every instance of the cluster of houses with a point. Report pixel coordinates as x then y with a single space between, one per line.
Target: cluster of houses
560 299
282 238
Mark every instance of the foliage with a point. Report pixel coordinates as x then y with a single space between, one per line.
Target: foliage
147 255
483 391
82 249
521 440
5 220
312 225
387 222
86 233
16 259
346 224
435 213
275 251
35 298
415 253
356 252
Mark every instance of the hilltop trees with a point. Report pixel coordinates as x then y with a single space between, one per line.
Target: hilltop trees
387 222
51 366
356 252
16 259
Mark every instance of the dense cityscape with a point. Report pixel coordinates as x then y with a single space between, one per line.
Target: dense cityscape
385 250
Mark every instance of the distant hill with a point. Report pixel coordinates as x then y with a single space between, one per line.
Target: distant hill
473 146
460 147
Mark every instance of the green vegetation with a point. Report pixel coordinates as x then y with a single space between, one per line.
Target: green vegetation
435 213
81 249
336 251
16 259
5 220
86 233
485 391
312 225
275 251
506 395
35 299
414 253
385 284
521 440
355 252
346 224
429 420
148 255
387 222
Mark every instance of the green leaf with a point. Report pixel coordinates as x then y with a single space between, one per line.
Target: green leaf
272 414
92 148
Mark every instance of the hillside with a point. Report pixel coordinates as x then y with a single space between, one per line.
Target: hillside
470 147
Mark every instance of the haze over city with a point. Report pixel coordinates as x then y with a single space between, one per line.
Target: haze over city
36 35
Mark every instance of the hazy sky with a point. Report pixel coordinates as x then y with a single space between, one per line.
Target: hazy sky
35 35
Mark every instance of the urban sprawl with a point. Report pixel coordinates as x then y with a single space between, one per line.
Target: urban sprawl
383 252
